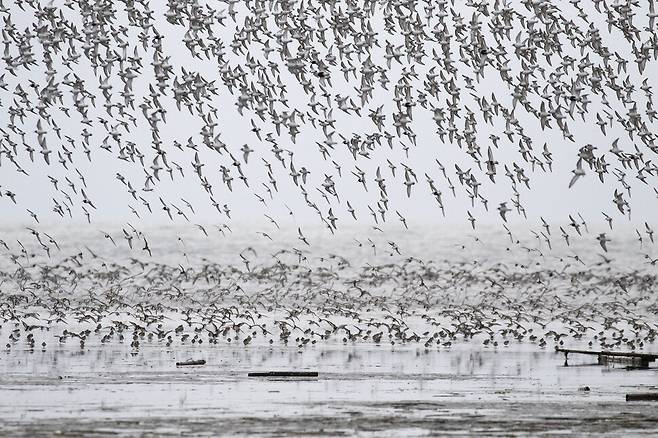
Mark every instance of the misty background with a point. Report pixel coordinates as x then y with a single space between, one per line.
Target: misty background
548 196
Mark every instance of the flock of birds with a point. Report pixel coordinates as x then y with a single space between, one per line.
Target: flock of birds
87 300
336 99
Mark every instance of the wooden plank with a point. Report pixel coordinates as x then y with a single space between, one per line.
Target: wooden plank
188 363
647 396
284 374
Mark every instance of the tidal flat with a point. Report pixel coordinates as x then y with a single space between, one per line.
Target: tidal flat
362 390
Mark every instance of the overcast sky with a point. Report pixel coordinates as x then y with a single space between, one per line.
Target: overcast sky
548 195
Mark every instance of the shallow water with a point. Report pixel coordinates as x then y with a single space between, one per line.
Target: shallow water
362 389
458 340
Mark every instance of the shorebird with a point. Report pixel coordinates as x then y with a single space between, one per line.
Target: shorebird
603 241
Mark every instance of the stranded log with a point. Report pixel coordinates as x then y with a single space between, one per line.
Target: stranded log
190 362
647 396
284 374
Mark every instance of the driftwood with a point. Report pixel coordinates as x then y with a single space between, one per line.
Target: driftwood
647 396
284 374
187 363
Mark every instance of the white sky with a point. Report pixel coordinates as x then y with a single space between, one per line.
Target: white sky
548 197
